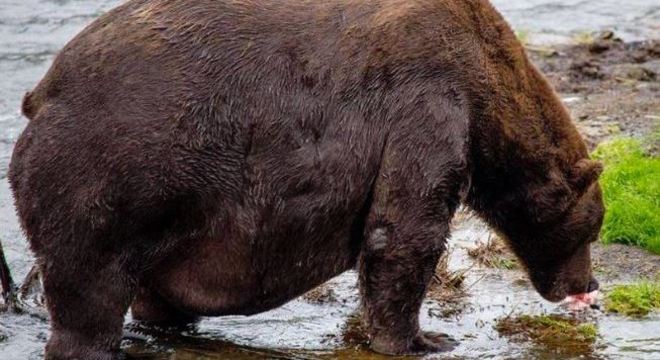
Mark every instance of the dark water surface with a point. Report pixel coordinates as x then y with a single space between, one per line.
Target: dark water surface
31 33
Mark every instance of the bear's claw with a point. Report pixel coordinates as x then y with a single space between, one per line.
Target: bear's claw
429 341
425 342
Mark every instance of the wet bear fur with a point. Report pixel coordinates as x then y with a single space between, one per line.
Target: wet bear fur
216 157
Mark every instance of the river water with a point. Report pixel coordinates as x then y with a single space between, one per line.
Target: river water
31 33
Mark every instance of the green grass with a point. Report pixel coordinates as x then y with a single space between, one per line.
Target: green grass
634 300
631 189
506 264
550 330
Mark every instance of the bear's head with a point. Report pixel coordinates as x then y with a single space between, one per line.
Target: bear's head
564 215
531 178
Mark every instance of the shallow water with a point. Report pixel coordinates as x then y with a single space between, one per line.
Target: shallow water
559 20
32 31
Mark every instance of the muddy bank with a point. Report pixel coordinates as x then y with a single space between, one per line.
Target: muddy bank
624 263
611 87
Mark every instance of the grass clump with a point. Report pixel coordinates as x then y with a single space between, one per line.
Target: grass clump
494 253
634 300
447 285
507 264
631 192
549 330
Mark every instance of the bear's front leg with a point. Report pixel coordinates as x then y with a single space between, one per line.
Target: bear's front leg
397 263
413 200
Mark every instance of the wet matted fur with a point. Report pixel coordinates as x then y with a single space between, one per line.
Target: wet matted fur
218 157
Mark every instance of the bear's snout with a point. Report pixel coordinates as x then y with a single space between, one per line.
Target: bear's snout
593 285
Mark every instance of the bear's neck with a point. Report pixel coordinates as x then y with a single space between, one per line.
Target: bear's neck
519 133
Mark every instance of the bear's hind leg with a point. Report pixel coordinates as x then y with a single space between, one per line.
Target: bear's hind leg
87 299
150 307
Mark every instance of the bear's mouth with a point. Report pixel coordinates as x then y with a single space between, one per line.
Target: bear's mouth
581 301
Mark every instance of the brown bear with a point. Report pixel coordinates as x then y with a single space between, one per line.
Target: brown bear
216 157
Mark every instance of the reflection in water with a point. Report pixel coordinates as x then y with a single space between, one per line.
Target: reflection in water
32 31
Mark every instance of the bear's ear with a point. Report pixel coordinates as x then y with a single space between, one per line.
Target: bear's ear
551 199
584 173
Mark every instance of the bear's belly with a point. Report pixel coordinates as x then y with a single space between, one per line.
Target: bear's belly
280 237
242 276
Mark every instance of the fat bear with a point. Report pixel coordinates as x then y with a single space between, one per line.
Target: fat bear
216 157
